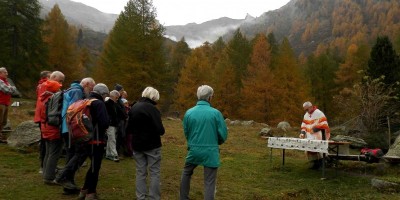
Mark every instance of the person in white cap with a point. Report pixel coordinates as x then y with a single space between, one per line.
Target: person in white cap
314 127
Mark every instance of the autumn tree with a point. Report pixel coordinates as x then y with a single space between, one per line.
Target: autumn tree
22 50
60 39
292 87
259 84
132 54
320 74
196 72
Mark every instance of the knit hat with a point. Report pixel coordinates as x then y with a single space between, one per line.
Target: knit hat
52 86
118 87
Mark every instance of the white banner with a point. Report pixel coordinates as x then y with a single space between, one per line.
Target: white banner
299 144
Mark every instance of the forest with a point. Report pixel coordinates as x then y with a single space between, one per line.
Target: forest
352 73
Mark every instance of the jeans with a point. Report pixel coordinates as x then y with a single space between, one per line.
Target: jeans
53 151
150 159
210 175
111 149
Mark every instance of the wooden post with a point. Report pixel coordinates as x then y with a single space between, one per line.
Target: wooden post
388 121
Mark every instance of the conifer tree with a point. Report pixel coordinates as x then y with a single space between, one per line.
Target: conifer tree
132 54
259 84
196 72
22 50
60 39
384 61
292 88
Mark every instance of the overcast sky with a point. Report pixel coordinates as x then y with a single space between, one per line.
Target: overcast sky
181 12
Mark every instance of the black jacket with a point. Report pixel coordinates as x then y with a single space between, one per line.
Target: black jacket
145 125
114 112
98 113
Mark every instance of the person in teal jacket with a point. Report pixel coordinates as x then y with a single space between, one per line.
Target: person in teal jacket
205 129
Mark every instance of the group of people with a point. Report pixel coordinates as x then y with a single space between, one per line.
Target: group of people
204 129
141 126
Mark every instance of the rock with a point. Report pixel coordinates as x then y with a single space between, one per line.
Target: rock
247 123
25 134
385 186
227 121
264 124
355 142
266 132
236 122
285 126
173 119
394 150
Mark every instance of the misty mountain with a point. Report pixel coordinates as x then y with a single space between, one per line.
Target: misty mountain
81 15
196 34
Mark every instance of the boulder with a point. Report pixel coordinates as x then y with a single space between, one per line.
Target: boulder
25 134
247 123
385 186
285 126
394 150
266 132
355 142
235 123
227 121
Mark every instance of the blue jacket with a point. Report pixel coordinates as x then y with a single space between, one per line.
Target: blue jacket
73 94
204 128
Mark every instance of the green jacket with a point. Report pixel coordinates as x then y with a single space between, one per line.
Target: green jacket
204 129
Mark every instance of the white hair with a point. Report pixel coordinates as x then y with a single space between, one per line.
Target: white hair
3 69
114 93
87 80
307 104
57 76
204 92
151 93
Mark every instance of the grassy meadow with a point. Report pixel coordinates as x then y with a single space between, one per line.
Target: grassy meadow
247 172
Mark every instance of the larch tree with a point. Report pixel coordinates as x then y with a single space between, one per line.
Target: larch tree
257 96
22 50
196 72
132 54
60 39
292 87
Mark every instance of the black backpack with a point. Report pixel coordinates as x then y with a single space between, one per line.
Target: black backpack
54 108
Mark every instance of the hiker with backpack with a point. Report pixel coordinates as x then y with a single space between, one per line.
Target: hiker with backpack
77 91
88 121
50 134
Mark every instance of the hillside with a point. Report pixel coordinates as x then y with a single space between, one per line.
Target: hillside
335 23
81 15
197 34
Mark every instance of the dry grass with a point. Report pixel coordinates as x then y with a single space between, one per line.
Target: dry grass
247 172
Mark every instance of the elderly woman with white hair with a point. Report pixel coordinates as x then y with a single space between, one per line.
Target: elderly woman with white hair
314 127
146 128
205 129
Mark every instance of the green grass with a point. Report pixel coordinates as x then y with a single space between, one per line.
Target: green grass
247 172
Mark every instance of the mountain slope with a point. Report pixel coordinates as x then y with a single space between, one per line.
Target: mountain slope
80 14
196 34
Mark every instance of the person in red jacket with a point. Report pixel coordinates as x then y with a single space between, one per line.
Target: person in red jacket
6 90
44 76
50 134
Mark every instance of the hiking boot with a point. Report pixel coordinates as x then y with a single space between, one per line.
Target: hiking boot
82 194
92 196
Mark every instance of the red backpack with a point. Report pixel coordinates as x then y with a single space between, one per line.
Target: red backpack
79 121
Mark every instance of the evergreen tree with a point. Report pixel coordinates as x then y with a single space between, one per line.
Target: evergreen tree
132 54
320 73
384 61
63 51
239 50
22 50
